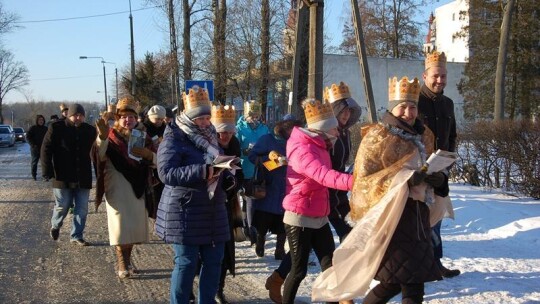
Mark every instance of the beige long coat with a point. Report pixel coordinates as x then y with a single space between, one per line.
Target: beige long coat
127 217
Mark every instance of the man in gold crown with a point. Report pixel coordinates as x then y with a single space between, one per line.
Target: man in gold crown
249 128
192 215
437 112
391 240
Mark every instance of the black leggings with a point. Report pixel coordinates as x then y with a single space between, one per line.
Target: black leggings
382 293
301 241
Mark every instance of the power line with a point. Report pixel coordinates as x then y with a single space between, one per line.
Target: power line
70 77
85 17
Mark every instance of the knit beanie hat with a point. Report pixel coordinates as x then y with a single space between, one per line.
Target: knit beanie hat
402 91
196 102
319 115
75 109
156 111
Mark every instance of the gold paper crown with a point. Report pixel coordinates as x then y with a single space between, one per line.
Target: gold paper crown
111 108
196 97
403 90
63 107
337 92
435 59
253 107
223 114
127 104
314 110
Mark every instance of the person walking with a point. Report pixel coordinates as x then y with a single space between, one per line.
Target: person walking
65 160
268 215
223 119
191 214
437 112
250 127
391 239
306 202
127 171
347 113
34 137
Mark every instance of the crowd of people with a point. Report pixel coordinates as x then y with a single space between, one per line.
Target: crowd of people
160 169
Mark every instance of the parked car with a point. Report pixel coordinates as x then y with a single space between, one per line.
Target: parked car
20 135
7 126
7 137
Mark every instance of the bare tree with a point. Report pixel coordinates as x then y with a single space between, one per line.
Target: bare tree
7 20
389 27
265 53
220 22
13 76
502 60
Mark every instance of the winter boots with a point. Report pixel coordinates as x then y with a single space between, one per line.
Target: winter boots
259 245
121 263
273 285
123 257
279 253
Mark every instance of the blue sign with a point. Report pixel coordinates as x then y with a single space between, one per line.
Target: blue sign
207 84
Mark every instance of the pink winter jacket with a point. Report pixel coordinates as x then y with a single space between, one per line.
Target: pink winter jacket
309 173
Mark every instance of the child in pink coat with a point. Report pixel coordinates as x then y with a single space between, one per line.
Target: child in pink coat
306 202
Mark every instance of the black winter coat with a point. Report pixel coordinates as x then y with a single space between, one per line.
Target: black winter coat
409 258
35 136
65 154
339 201
436 111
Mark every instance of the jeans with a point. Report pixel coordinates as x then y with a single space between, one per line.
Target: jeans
186 258
63 199
35 161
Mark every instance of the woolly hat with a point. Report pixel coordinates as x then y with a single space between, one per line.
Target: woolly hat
319 115
224 118
75 109
196 102
169 113
156 111
402 90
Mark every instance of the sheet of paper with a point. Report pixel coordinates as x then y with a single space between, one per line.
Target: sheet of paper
440 160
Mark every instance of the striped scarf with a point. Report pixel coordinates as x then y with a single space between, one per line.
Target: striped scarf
204 139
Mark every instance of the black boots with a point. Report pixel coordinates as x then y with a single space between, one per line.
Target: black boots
279 253
259 245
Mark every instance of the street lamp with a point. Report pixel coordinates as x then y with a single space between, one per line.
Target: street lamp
104 74
116 79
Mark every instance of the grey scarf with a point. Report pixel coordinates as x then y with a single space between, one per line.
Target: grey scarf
204 139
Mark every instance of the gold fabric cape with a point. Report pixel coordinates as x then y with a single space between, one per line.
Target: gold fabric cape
383 165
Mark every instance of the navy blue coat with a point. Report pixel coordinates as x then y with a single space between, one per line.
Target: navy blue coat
186 215
275 179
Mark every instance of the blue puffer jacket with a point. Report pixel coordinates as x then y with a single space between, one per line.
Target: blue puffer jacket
246 135
185 214
275 179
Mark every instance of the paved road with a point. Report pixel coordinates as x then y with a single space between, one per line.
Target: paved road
36 269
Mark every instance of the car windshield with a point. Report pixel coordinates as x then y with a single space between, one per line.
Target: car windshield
18 130
4 131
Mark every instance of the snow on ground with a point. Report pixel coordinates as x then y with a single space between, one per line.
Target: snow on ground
494 241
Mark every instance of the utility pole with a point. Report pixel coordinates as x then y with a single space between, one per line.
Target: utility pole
133 79
300 58
362 60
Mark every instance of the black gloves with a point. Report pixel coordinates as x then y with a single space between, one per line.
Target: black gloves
436 179
417 178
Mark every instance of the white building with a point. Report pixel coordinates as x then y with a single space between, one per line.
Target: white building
448 21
